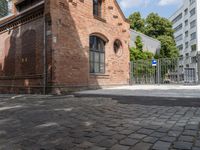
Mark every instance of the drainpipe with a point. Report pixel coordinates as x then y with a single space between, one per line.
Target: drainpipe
198 67
44 56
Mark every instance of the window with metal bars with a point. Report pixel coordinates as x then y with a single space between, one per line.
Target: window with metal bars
25 4
97 55
97 8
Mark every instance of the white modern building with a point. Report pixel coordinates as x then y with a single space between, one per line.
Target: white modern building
186 24
149 44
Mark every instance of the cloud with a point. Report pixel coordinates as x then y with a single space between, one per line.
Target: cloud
133 3
169 2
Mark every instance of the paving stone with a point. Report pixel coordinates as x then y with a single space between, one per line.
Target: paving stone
168 139
120 147
174 133
183 145
150 139
118 136
126 132
159 145
137 136
108 143
164 130
145 131
97 148
191 127
197 143
98 139
186 138
190 132
128 142
158 134
141 146
195 148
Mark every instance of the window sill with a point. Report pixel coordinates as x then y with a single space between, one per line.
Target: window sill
99 18
99 74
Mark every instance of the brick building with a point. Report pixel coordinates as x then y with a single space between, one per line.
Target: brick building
55 45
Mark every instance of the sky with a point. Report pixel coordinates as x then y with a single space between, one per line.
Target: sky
164 8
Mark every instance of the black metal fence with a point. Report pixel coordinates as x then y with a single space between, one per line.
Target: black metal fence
165 71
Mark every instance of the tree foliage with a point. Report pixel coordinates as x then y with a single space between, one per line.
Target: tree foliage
168 47
137 53
159 28
138 43
156 26
137 23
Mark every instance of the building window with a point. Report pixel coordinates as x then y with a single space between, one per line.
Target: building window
117 47
5 8
179 38
194 47
191 2
193 36
192 12
193 24
26 4
97 55
186 22
179 17
186 45
97 8
187 55
180 47
186 11
186 34
178 28
194 59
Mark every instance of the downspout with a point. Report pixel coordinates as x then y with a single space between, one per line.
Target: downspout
44 56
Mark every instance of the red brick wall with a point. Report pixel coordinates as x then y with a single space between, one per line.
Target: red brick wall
72 24
21 57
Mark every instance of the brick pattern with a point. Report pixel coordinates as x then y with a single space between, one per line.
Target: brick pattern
71 49
21 57
69 25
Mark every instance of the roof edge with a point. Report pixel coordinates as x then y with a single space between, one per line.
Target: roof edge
121 12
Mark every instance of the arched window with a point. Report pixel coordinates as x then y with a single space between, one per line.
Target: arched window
97 4
97 55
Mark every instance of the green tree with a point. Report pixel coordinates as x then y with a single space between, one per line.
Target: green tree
136 21
168 47
156 26
138 43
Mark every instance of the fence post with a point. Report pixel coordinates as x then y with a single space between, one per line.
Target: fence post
178 71
131 72
158 72
198 67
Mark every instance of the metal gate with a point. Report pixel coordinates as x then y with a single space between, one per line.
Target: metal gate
162 71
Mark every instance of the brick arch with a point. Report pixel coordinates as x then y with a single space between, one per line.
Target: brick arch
102 36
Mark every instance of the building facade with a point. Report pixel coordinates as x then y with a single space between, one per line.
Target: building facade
186 22
149 44
56 45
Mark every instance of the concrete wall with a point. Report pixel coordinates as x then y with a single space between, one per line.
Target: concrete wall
150 44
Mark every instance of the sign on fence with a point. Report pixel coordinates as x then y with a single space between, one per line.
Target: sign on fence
154 62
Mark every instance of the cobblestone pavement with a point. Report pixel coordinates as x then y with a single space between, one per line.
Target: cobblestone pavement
70 123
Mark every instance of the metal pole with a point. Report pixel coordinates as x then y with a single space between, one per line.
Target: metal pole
131 72
44 58
178 70
158 72
198 67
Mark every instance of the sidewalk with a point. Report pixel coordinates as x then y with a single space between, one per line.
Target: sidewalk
149 90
